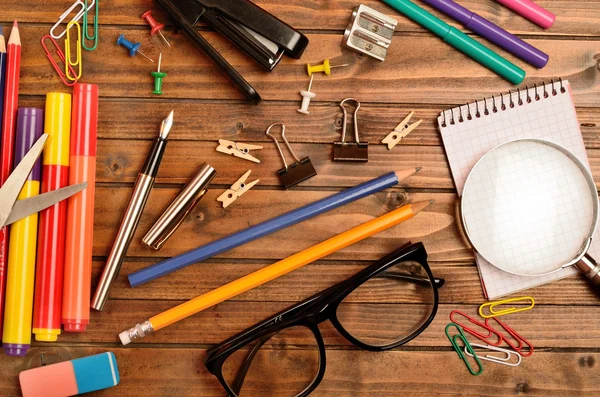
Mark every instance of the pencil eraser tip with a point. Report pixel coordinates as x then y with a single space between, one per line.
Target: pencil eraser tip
15 350
125 339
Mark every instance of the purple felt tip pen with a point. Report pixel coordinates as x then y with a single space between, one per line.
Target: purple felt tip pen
491 32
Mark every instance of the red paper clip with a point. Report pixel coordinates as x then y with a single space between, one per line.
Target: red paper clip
521 341
490 331
61 55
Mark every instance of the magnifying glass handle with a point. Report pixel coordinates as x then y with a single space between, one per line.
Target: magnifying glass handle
588 266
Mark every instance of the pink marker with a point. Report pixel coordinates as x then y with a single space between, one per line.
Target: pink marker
528 9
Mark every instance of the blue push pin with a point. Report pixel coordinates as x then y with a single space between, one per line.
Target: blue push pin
133 48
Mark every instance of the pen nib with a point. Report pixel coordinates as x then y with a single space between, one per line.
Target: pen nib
166 125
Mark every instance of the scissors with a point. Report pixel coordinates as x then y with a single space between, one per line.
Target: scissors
11 209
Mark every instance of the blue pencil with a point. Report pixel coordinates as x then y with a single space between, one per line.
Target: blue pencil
272 225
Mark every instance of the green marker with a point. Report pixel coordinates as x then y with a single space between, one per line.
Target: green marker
158 77
459 40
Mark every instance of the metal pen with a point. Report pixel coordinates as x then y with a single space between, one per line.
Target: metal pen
132 215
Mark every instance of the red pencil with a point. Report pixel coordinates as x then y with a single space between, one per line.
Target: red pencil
9 122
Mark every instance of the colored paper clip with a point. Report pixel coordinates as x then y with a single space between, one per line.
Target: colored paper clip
61 56
468 348
520 340
492 305
505 360
94 36
65 14
485 338
69 64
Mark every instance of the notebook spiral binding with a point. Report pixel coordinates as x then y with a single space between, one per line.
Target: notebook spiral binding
500 103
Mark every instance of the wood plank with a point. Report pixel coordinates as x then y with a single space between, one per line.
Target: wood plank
180 372
545 326
462 286
209 221
246 123
414 72
119 163
579 18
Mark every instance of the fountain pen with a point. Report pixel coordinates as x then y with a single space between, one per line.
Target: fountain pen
131 218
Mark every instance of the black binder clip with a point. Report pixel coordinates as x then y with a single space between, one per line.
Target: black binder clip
259 34
297 172
350 151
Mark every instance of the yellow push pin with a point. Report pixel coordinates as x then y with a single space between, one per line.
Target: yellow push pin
325 67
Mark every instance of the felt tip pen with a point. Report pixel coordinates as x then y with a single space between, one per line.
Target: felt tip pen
80 209
491 32
528 9
18 311
459 40
47 304
132 215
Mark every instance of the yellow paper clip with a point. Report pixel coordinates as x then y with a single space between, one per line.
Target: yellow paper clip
492 305
69 64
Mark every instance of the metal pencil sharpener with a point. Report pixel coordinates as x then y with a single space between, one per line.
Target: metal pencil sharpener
369 32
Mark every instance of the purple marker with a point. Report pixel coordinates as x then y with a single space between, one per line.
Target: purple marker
18 309
491 32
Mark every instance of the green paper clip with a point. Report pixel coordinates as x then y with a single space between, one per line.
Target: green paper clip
86 34
468 347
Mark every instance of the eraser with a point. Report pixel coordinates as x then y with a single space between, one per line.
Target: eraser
70 378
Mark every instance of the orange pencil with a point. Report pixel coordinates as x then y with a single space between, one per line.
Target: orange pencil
272 272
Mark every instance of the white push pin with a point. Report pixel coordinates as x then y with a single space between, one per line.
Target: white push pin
306 97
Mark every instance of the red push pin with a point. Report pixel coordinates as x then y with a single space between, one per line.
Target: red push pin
155 26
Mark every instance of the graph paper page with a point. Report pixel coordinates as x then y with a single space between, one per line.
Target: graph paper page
545 113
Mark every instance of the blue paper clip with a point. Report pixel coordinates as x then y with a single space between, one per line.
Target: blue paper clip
468 348
86 35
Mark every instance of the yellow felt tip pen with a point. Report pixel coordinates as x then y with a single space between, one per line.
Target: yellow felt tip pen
18 311
272 272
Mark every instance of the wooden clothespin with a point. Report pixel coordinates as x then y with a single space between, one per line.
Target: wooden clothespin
241 150
236 190
401 130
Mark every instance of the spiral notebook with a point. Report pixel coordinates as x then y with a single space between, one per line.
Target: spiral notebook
469 131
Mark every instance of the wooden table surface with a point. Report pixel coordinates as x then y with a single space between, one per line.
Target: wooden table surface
420 74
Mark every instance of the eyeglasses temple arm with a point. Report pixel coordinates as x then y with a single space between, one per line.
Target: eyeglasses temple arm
439 282
236 387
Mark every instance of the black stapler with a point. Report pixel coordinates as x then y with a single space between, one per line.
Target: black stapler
258 33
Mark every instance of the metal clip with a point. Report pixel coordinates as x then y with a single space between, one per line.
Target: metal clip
68 62
241 150
468 348
492 305
369 32
401 130
351 151
85 36
54 64
297 172
505 360
236 190
65 14
485 338
522 342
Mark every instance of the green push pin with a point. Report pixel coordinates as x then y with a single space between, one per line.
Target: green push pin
158 78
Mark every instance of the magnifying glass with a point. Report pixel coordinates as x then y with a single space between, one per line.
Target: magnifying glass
530 208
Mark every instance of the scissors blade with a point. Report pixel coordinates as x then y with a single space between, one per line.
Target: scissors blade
24 208
13 185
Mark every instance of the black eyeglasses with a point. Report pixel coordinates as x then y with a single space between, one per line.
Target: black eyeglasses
381 307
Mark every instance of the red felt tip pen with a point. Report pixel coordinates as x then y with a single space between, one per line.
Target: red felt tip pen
80 209
53 220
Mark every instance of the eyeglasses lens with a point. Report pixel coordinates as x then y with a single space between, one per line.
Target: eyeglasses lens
390 306
283 364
